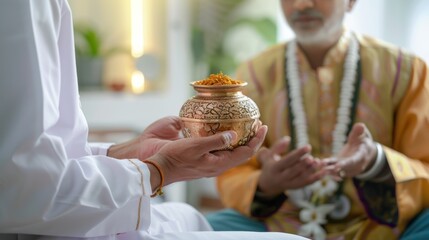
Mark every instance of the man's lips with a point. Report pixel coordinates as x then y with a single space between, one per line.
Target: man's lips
305 19
310 16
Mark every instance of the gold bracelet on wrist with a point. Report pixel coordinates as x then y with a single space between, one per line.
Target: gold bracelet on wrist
158 191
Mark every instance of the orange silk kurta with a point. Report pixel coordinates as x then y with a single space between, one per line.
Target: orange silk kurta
393 103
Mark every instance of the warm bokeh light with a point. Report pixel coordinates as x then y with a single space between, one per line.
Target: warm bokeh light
137 82
137 40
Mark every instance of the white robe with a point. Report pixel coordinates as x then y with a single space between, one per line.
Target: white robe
52 182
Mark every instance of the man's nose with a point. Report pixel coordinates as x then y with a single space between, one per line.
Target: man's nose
303 4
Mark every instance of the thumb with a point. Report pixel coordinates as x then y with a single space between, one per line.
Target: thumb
217 141
279 147
357 132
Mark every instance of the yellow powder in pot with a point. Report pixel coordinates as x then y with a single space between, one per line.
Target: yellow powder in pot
218 79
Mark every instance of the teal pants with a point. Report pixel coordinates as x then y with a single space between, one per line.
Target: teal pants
231 220
418 228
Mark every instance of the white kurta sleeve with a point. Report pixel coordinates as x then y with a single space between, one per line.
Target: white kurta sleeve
50 183
98 148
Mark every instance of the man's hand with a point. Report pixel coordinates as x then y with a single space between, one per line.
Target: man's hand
192 158
153 138
187 158
286 171
357 155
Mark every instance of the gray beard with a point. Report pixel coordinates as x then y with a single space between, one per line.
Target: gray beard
322 36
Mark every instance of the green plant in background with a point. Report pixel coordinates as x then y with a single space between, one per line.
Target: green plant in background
89 56
217 19
88 41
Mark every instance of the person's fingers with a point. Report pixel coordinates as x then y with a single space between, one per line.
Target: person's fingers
164 128
263 154
294 157
215 142
177 122
362 131
303 178
338 174
318 163
330 161
310 177
356 133
304 166
166 121
257 140
367 133
224 139
278 148
243 153
292 173
173 122
258 124
253 145
281 146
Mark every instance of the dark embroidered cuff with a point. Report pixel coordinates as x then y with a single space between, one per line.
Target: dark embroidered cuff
263 207
379 201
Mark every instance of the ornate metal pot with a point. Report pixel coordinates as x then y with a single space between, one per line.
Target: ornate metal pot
217 108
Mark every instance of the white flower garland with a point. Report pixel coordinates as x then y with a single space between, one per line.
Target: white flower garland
300 122
347 90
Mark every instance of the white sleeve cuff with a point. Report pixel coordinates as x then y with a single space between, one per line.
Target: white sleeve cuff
99 148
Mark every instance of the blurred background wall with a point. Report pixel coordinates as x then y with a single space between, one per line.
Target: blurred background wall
184 40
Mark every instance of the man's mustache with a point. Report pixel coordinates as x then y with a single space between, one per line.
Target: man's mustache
310 13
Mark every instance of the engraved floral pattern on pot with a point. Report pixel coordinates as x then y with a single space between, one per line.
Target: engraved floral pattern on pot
219 108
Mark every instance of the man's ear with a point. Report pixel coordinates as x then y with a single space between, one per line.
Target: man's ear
351 5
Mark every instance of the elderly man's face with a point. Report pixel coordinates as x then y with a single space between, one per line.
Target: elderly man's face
315 20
